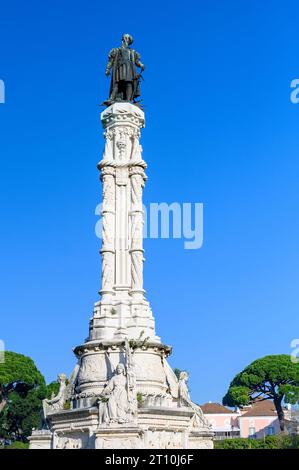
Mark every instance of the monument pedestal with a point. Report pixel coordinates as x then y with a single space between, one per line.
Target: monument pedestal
155 428
119 437
123 393
41 439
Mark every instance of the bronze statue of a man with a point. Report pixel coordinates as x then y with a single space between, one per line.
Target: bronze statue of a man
125 80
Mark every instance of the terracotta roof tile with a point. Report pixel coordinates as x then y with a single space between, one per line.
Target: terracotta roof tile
214 408
261 408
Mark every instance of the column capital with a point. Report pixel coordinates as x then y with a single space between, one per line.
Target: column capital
123 113
138 169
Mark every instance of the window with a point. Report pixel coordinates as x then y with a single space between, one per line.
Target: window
270 430
252 432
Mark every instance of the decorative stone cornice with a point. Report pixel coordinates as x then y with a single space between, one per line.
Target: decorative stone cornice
107 346
123 113
108 167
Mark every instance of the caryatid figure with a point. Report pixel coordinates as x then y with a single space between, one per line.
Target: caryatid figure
125 80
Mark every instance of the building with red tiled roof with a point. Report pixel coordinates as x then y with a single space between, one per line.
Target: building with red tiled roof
224 421
260 408
256 420
259 420
212 408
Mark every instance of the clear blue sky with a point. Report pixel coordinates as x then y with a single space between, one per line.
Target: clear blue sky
220 130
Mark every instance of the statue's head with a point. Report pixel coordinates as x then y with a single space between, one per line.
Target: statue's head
61 378
184 375
120 368
127 39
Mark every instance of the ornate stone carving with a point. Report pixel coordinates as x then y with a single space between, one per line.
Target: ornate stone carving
107 272
131 380
107 169
121 176
118 401
164 417
68 443
118 443
137 271
198 419
165 440
89 369
137 186
137 183
154 399
109 135
113 403
136 152
124 113
108 232
108 190
171 379
56 403
122 143
108 229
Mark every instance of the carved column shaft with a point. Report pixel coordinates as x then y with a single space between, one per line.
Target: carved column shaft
122 280
137 184
122 173
108 231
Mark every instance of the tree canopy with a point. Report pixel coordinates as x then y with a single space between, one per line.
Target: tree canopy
18 373
271 377
22 389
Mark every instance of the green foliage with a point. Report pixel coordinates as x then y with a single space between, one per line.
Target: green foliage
236 443
18 373
139 397
268 376
22 389
52 389
21 414
18 445
291 392
271 377
140 342
237 395
177 372
103 399
67 405
279 441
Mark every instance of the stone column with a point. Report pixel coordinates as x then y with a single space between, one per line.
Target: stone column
122 174
137 177
122 258
108 232
123 310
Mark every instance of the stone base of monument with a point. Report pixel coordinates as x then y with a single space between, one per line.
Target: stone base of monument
155 428
41 439
119 437
162 415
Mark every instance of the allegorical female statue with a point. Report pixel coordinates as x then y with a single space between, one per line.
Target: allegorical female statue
118 401
55 403
114 399
185 400
125 80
